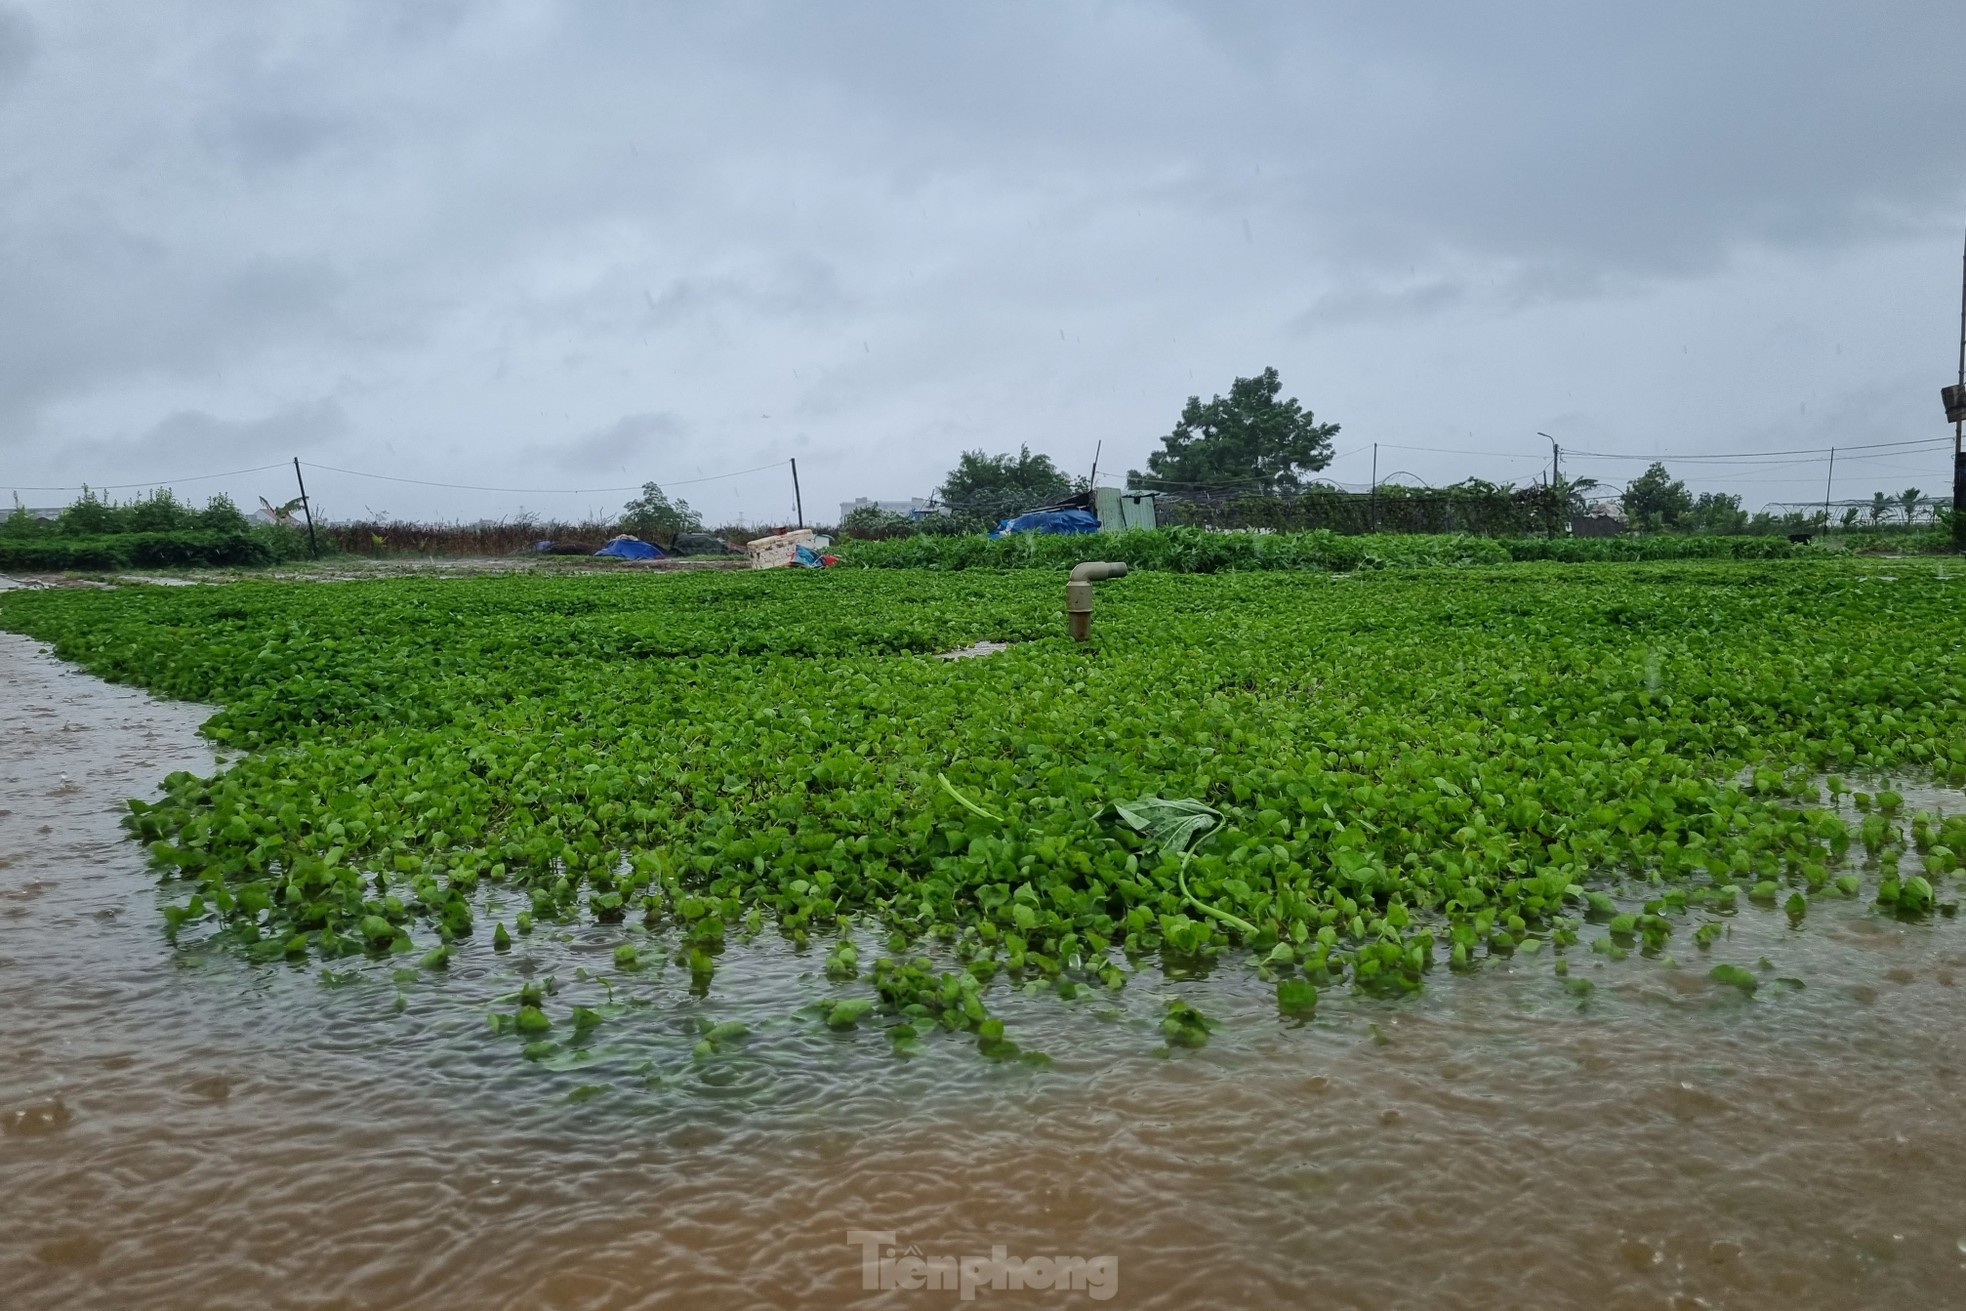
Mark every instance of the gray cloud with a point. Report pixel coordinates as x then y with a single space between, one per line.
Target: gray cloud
626 442
193 438
16 48
802 289
1342 306
190 443
262 138
900 231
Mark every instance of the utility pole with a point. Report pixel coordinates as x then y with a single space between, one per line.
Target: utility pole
1560 501
313 547
1097 450
1958 408
1828 482
798 502
1375 487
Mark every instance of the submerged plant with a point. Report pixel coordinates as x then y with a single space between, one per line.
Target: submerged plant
1337 783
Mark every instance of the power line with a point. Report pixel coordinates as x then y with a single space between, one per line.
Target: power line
160 482
1266 483
383 477
1759 465
1890 502
1902 468
1446 450
1757 455
1192 482
539 491
1259 481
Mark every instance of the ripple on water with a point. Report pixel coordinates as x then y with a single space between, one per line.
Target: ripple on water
184 1129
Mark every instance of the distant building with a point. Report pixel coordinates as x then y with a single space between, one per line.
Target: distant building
1606 519
912 508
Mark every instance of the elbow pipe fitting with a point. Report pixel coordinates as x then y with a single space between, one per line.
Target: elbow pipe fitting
1078 594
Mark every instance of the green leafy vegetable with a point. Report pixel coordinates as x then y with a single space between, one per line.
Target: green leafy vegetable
1733 976
1296 997
1184 1026
964 801
1356 780
1173 825
846 1014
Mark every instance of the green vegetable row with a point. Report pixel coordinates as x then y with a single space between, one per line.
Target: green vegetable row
1199 551
1412 769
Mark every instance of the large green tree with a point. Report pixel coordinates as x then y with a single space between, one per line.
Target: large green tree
1247 441
986 488
1655 500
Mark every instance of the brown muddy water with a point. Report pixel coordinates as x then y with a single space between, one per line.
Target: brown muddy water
186 1130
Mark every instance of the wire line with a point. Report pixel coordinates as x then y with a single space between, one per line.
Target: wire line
538 491
1756 455
159 482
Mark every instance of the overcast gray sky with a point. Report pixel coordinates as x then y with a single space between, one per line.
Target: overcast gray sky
581 245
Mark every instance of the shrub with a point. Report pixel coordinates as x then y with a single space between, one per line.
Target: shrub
870 523
1199 551
152 550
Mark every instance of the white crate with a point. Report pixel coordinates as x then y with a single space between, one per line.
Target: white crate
776 551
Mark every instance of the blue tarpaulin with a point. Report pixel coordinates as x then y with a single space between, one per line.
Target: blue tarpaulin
1050 521
630 548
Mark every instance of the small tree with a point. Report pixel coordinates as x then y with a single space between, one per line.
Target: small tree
1717 512
284 514
1655 499
159 512
89 514
982 489
1908 498
22 524
221 515
1576 494
870 523
653 512
1880 505
1246 441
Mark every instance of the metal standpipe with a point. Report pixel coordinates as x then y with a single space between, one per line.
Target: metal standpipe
1078 594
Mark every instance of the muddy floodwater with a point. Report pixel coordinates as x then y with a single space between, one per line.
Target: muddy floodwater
183 1129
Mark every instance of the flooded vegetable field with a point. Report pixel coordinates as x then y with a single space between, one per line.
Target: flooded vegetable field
185 1128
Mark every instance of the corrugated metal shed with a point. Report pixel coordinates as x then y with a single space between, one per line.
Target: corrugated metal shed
1121 509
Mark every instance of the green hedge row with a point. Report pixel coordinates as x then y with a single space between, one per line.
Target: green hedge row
127 550
1196 550
1658 546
